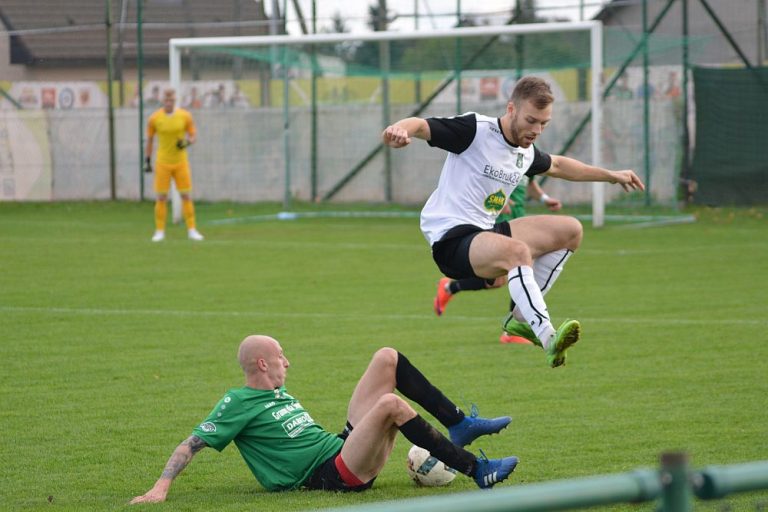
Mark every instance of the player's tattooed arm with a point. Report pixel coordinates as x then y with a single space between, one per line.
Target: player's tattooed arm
182 455
175 465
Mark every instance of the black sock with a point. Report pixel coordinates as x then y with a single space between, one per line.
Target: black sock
415 386
421 433
470 283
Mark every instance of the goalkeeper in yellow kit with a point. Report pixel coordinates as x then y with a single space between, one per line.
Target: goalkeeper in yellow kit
175 130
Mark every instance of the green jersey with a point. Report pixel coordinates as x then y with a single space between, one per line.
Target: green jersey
278 439
518 197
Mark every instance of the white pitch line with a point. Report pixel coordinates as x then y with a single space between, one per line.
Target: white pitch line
415 246
291 244
392 317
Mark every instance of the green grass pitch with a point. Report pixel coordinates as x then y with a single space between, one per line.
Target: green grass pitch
113 348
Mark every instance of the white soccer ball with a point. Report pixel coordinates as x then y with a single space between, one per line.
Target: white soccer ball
426 470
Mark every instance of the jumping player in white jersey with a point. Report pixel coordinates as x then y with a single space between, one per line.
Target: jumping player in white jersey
487 158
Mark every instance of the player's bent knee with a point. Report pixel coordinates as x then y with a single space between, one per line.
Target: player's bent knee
498 282
395 407
575 232
517 253
386 356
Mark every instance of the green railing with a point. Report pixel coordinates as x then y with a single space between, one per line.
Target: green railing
674 486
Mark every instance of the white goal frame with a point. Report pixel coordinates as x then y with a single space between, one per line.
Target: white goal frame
595 28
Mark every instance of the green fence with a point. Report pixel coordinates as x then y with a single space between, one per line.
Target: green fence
731 131
674 486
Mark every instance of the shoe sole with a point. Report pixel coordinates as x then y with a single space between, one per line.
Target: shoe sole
569 338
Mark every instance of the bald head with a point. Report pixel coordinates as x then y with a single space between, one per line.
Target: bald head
253 348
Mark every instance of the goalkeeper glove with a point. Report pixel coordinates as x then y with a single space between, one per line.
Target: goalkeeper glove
182 143
148 165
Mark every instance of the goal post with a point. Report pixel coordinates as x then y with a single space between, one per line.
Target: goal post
276 70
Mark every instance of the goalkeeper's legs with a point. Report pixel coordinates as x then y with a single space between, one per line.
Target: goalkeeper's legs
188 211
162 186
183 179
161 214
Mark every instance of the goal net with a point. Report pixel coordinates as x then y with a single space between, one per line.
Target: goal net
282 118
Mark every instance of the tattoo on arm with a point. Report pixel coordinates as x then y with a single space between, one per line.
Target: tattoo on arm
181 456
195 444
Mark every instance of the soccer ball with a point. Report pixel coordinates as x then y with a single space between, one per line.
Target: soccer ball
426 470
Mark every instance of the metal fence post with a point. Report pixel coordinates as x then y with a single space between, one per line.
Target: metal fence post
676 494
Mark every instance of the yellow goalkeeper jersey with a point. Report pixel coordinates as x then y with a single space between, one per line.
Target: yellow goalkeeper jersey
170 128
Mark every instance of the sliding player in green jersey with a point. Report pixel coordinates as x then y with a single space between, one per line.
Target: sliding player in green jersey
285 449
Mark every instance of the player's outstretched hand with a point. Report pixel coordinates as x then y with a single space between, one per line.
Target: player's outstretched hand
628 180
152 496
148 165
553 204
182 143
395 136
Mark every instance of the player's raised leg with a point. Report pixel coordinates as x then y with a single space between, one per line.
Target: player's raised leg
447 288
552 240
491 254
390 370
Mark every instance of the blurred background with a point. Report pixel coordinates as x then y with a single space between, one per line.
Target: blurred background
684 94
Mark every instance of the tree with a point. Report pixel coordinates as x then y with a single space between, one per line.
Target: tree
345 51
377 17
338 25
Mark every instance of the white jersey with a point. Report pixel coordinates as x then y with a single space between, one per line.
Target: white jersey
481 171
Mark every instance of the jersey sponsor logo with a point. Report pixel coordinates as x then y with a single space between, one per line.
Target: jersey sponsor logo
208 427
296 425
500 175
296 406
495 202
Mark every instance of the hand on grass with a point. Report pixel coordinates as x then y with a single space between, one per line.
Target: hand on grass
153 496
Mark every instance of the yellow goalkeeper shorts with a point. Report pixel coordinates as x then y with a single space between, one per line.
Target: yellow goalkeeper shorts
180 174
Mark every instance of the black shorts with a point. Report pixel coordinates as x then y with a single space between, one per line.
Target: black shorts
326 477
451 253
